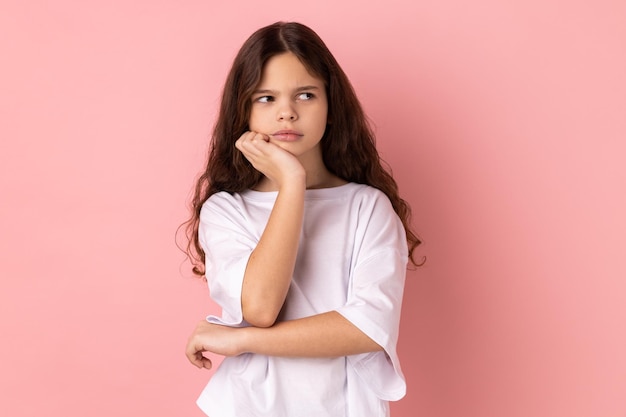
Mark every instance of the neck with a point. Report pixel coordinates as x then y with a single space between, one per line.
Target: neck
314 180
323 179
317 175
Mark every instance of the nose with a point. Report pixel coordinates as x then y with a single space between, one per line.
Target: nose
287 112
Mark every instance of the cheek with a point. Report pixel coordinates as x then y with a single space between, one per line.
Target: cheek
254 120
323 119
324 113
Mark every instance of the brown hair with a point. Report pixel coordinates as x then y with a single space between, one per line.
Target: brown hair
348 144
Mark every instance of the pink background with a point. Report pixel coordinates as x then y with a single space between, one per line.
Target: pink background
505 123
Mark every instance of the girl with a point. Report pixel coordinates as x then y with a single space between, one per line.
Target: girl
303 239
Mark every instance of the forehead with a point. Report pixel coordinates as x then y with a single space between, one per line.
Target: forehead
287 70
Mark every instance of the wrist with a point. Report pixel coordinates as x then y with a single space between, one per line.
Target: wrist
246 340
293 182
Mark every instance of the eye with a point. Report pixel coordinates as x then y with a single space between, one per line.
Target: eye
305 96
264 99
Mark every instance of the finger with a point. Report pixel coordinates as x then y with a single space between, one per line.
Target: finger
198 360
255 149
252 138
239 142
202 361
206 363
193 358
246 143
257 136
193 351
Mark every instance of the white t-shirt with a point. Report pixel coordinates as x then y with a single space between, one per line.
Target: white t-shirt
352 258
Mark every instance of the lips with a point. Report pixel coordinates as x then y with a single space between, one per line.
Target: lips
287 135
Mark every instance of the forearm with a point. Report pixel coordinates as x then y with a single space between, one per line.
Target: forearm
271 264
323 335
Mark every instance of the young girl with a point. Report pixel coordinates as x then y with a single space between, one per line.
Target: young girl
303 239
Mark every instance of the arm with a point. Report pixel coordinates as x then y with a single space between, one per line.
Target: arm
270 266
323 335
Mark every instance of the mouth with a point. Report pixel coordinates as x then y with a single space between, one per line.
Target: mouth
287 135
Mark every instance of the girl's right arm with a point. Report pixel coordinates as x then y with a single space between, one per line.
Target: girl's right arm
270 266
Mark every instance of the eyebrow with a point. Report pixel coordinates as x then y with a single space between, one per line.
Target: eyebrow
268 91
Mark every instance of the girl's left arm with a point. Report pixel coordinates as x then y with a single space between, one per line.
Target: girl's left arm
322 335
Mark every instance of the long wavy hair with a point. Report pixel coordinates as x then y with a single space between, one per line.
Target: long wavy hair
348 144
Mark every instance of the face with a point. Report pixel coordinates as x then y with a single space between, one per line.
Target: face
290 106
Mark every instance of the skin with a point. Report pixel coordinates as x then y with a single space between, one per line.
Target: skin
287 121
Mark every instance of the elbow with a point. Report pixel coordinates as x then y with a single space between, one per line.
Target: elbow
259 317
261 322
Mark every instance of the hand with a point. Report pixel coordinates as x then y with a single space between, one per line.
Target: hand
271 160
214 338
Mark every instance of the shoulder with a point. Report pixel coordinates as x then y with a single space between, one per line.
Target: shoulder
371 199
378 228
353 191
221 204
373 210
221 197
222 216
355 197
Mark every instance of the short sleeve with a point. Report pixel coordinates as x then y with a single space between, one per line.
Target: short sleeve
375 295
227 242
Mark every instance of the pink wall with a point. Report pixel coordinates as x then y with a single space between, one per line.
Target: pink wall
505 123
